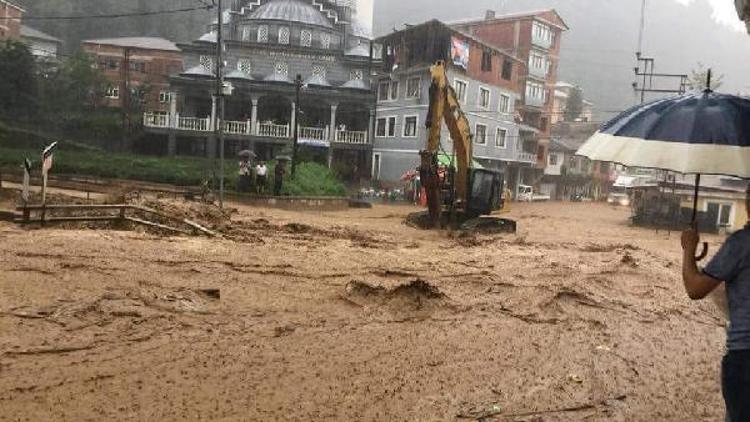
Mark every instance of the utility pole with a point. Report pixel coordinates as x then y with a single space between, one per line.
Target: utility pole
219 123
125 104
298 86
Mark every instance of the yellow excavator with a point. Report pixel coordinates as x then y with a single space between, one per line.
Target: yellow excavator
458 195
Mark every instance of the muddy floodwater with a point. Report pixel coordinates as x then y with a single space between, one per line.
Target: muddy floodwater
353 316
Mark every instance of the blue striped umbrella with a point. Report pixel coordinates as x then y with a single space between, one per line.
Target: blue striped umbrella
698 133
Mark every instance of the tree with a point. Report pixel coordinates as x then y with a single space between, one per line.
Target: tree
699 78
18 89
574 104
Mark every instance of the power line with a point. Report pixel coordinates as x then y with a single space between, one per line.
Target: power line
111 16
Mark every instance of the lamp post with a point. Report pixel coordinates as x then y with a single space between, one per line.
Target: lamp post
298 87
219 124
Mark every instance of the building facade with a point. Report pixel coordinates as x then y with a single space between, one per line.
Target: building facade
138 71
485 79
43 46
535 38
10 20
268 43
562 93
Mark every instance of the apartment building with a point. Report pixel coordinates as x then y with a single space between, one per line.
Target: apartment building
10 20
486 81
535 38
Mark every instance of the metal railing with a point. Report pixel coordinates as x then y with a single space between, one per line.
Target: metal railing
351 137
273 131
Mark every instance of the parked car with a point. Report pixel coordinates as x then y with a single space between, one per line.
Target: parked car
526 194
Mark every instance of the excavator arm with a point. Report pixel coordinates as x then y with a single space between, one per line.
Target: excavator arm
445 106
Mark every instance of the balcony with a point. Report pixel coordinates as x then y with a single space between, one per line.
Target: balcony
312 135
534 101
541 41
527 157
538 71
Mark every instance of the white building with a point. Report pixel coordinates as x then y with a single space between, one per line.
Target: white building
42 46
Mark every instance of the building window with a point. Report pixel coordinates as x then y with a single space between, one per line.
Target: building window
246 33
284 35
108 63
543 32
507 73
486 61
138 67
501 138
356 75
460 87
165 97
245 66
207 62
553 159
282 69
319 71
410 126
484 97
413 86
480 136
263 33
112 92
504 104
325 40
535 90
388 91
386 127
305 38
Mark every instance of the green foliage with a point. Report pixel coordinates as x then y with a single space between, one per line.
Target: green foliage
313 179
574 104
18 89
699 79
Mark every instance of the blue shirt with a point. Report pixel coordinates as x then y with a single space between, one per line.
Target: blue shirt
732 266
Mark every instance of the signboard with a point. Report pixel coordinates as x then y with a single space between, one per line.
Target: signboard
460 52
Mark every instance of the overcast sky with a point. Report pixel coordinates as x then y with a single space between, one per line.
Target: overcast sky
364 12
724 12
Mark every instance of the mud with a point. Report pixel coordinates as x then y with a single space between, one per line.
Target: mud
355 316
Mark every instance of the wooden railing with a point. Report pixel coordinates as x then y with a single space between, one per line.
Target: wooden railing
313 133
194 123
155 120
237 128
350 137
273 131
527 157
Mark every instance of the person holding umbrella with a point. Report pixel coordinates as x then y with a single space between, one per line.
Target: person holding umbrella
697 133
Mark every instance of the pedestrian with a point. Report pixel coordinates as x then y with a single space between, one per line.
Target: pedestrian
279 173
730 266
244 173
261 176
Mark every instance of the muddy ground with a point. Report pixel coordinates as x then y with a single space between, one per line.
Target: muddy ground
355 316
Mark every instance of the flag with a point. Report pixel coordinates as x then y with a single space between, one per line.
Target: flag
26 179
47 156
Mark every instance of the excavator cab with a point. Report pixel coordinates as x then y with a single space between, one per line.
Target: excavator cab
458 195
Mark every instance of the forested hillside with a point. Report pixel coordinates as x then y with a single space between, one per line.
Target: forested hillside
183 26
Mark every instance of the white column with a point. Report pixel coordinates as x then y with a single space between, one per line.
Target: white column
371 128
173 110
293 120
212 125
254 117
334 129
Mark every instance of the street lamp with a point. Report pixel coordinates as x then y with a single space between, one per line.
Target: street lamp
298 88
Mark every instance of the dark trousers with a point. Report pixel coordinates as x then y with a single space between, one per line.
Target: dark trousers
735 384
277 187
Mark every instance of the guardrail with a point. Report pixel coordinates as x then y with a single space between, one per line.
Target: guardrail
351 137
273 131
194 123
313 133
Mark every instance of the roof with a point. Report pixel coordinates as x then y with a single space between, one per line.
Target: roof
292 11
13 5
455 31
146 43
29 32
197 71
566 144
519 15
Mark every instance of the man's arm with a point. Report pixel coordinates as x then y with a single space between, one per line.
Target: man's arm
697 284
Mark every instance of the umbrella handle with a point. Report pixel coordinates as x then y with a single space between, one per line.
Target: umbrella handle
703 254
